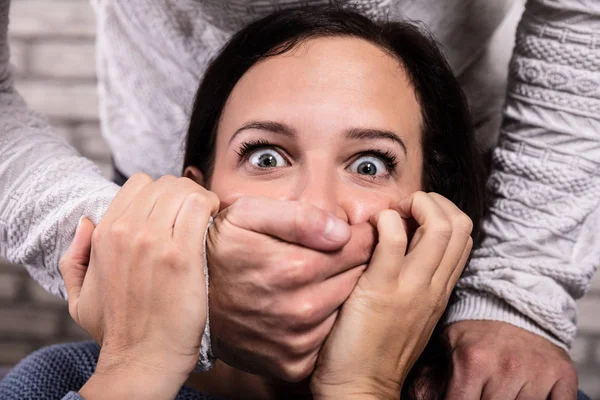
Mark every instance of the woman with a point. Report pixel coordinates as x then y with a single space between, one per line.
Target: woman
367 116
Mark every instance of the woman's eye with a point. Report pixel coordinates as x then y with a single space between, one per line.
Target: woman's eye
267 158
368 165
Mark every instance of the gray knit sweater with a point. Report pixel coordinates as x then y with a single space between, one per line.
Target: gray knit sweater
542 242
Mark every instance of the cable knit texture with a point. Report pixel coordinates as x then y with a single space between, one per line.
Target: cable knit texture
540 248
542 241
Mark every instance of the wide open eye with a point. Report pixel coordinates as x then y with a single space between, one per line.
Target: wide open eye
267 158
369 165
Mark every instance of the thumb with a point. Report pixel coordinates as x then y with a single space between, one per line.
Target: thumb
73 264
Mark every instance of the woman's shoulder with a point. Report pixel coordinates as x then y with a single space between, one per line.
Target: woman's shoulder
51 372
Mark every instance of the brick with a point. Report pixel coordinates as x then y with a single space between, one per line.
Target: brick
13 352
580 350
6 266
24 322
88 140
589 315
18 56
63 60
10 285
32 18
60 99
40 296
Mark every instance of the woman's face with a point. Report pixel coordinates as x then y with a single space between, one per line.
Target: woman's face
335 123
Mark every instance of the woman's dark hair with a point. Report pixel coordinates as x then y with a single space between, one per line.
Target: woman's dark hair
452 164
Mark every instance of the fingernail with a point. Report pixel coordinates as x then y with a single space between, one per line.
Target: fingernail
336 230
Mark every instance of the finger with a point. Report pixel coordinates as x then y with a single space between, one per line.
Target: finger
460 239
462 389
460 267
192 219
318 302
388 256
357 251
73 264
536 391
431 239
292 221
142 205
169 203
498 388
564 389
318 266
124 197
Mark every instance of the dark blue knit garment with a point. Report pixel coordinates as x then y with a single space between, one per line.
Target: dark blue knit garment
58 372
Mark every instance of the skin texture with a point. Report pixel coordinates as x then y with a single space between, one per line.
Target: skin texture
320 91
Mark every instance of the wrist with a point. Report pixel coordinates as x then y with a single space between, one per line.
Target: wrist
123 385
360 389
132 379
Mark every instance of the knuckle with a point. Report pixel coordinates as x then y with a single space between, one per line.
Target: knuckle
302 346
119 231
443 230
510 364
144 241
473 358
396 240
293 272
305 312
463 224
140 178
167 178
172 257
419 194
296 371
199 200
213 200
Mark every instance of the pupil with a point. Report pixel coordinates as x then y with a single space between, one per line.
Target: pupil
367 168
267 160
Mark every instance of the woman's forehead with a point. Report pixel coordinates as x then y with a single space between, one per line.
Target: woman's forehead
330 79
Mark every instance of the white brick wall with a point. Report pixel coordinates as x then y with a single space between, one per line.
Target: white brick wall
68 60
53 54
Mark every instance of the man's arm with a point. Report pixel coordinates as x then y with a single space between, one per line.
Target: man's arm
541 240
45 186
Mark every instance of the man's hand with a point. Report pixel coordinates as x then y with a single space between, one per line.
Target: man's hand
279 271
496 360
143 296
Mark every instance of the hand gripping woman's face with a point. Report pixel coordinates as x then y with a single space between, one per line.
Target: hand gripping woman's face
334 122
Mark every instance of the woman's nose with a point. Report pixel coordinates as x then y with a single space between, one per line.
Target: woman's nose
321 190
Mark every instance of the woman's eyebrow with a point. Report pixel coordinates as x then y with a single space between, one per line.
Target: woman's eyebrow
370 134
269 126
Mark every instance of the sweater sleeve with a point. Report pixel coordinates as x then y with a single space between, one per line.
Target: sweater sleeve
45 186
541 243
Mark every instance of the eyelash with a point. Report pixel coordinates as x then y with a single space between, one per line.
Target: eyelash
246 148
